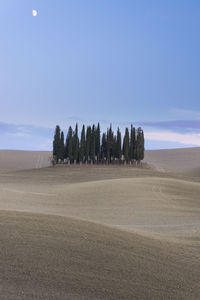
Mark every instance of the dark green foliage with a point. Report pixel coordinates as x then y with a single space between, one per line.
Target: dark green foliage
56 144
76 144
119 146
62 147
92 148
114 148
69 145
93 143
103 147
88 143
132 144
140 145
109 144
82 145
126 145
65 149
98 143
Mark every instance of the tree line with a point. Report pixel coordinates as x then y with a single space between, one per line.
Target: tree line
92 147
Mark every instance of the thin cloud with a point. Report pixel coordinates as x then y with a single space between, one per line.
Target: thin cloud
186 113
169 136
25 130
176 125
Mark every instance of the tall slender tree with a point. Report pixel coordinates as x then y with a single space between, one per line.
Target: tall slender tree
140 145
93 143
132 143
114 147
126 145
56 144
88 143
62 147
65 149
82 145
119 145
103 148
109 144
98 143
76 144
69 144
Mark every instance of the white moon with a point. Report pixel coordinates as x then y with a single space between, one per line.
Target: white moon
34 13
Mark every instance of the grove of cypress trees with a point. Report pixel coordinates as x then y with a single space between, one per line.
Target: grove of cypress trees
95 148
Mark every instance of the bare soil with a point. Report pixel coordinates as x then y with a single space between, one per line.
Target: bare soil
97 232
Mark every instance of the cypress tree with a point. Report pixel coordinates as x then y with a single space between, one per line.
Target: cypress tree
132 143
82 145
103 147
56 144
98 143
62 147
109 144
69 144
93 143
107 147
126 145
111 137
114 147
119 146
65 149
76 144
140 145
88 143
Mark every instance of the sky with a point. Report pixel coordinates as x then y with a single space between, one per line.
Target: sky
112 61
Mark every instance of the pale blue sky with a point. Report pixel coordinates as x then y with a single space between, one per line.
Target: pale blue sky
110 60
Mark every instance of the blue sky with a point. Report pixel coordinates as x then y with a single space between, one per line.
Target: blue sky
110 60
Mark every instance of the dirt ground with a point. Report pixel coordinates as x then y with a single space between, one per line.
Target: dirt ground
13 160
99 233
185 160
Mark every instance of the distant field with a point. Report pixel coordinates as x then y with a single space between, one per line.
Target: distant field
99 232
13 160
175 160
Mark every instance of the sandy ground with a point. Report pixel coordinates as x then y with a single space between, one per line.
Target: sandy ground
185 160
13 160
99 233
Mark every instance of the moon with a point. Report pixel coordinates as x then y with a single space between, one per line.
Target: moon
34 13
